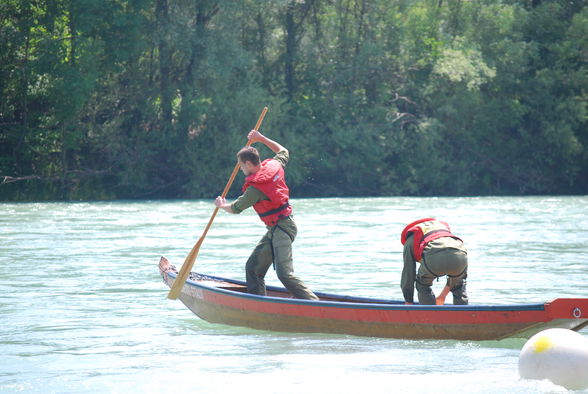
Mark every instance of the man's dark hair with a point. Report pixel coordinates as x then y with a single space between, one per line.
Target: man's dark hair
250 154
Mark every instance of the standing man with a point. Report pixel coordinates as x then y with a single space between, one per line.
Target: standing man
265 189
439 252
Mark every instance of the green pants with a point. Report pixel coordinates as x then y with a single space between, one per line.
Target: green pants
439 262
276 247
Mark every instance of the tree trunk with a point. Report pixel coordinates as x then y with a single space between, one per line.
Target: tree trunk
165 85
290 58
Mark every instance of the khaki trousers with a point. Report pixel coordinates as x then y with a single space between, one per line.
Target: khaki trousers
439 262
276 247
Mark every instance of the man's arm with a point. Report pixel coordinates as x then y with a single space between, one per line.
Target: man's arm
222 203
440 300
256 136
246 200
408 272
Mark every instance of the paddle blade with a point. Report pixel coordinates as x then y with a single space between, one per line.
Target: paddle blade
176 288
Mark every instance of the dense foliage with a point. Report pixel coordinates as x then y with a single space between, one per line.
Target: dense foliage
105 99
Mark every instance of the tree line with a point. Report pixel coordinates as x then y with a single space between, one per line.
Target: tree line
134 99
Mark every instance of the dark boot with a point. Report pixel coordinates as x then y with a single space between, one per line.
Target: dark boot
460 296
425 294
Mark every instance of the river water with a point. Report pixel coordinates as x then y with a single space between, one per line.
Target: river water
83 308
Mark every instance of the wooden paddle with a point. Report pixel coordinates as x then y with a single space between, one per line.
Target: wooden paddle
191 258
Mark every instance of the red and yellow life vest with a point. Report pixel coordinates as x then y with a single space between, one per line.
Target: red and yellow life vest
425 231
270 181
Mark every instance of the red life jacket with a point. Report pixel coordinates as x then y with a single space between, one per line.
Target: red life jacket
270 181
425 231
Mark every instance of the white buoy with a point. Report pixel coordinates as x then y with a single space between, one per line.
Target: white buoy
556 354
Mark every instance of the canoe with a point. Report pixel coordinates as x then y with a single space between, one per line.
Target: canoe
225 301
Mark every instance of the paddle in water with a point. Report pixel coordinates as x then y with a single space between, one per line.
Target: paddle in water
176 289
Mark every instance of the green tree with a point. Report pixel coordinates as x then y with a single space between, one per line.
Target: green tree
152 98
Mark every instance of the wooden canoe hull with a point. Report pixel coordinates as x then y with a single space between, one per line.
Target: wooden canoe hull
220 300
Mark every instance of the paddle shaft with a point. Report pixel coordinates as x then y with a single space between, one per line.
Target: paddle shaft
176 289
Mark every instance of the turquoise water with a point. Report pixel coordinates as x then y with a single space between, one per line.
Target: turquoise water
84 310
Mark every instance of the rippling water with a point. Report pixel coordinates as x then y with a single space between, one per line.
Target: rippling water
83 308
